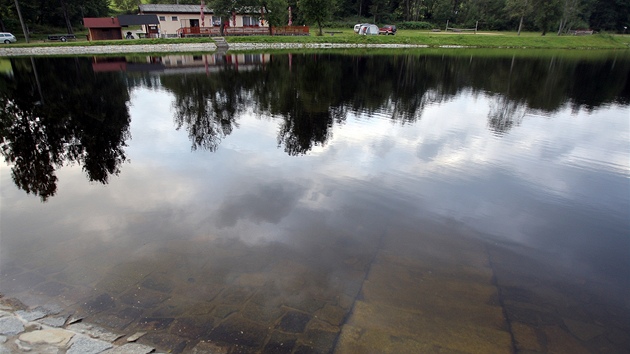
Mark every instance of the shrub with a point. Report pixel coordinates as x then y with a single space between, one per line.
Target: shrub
415 25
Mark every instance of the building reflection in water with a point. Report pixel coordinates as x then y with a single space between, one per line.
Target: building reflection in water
181 63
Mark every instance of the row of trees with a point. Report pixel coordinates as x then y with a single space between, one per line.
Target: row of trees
57 13
543 15
58 111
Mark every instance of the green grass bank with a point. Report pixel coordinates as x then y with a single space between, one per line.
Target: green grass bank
409 37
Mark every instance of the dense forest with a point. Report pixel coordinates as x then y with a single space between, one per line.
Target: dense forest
547 16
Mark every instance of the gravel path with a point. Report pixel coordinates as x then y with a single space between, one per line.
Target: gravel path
8 51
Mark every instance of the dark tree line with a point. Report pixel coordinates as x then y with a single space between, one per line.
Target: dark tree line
56 13
553 16
58 111
308 94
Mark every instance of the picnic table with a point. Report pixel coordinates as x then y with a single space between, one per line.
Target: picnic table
332 33
61 37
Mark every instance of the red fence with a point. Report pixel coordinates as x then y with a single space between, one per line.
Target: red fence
243 31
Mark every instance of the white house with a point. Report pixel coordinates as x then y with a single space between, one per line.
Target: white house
174 18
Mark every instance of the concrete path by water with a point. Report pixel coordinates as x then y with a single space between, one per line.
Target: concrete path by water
427 293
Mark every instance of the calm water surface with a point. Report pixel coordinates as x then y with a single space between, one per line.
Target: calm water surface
312 203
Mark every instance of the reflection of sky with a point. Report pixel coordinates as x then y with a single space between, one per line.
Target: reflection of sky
558 182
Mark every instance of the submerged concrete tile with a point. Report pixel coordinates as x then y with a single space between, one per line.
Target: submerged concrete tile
584 331
143 298
236 330
436 330
22 282
155 323
223 311
559 341
100 303
170 343
294 322
51 288
525 337
280 343
116 284
320 336
357 340
158 282
262 314
204 347
332 314
192 327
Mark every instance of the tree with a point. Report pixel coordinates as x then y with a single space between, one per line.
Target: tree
317 11
610 15
224 9
128 6
276 12
379 9
519 9
546 14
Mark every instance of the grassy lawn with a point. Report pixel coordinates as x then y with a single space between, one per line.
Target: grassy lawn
414 37
469 39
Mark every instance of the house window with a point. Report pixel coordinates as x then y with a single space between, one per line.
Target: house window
173 18
247 21
216 21
162 18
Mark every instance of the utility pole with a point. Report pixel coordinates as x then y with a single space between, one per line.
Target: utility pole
24 29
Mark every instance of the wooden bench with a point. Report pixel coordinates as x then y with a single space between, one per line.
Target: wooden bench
581 32
332 33
61 37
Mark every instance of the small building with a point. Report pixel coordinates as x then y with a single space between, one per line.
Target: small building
109 28
174 18
102 28
150 24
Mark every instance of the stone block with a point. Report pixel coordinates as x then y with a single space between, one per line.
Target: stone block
85 345
130 348
10 326
55 336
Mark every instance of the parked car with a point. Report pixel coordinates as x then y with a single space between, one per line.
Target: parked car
7 38
368 30
387 30
358 26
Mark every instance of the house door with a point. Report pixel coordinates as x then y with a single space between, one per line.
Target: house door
194 23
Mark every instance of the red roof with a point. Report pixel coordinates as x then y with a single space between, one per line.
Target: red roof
101 22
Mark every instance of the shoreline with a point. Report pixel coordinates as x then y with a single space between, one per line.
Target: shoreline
191 47
48 329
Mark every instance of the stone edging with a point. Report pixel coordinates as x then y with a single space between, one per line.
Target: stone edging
181 47
46 329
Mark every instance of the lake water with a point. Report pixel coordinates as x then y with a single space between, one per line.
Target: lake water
426 201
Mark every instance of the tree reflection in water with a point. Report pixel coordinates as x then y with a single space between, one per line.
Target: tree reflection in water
56 112
81 116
